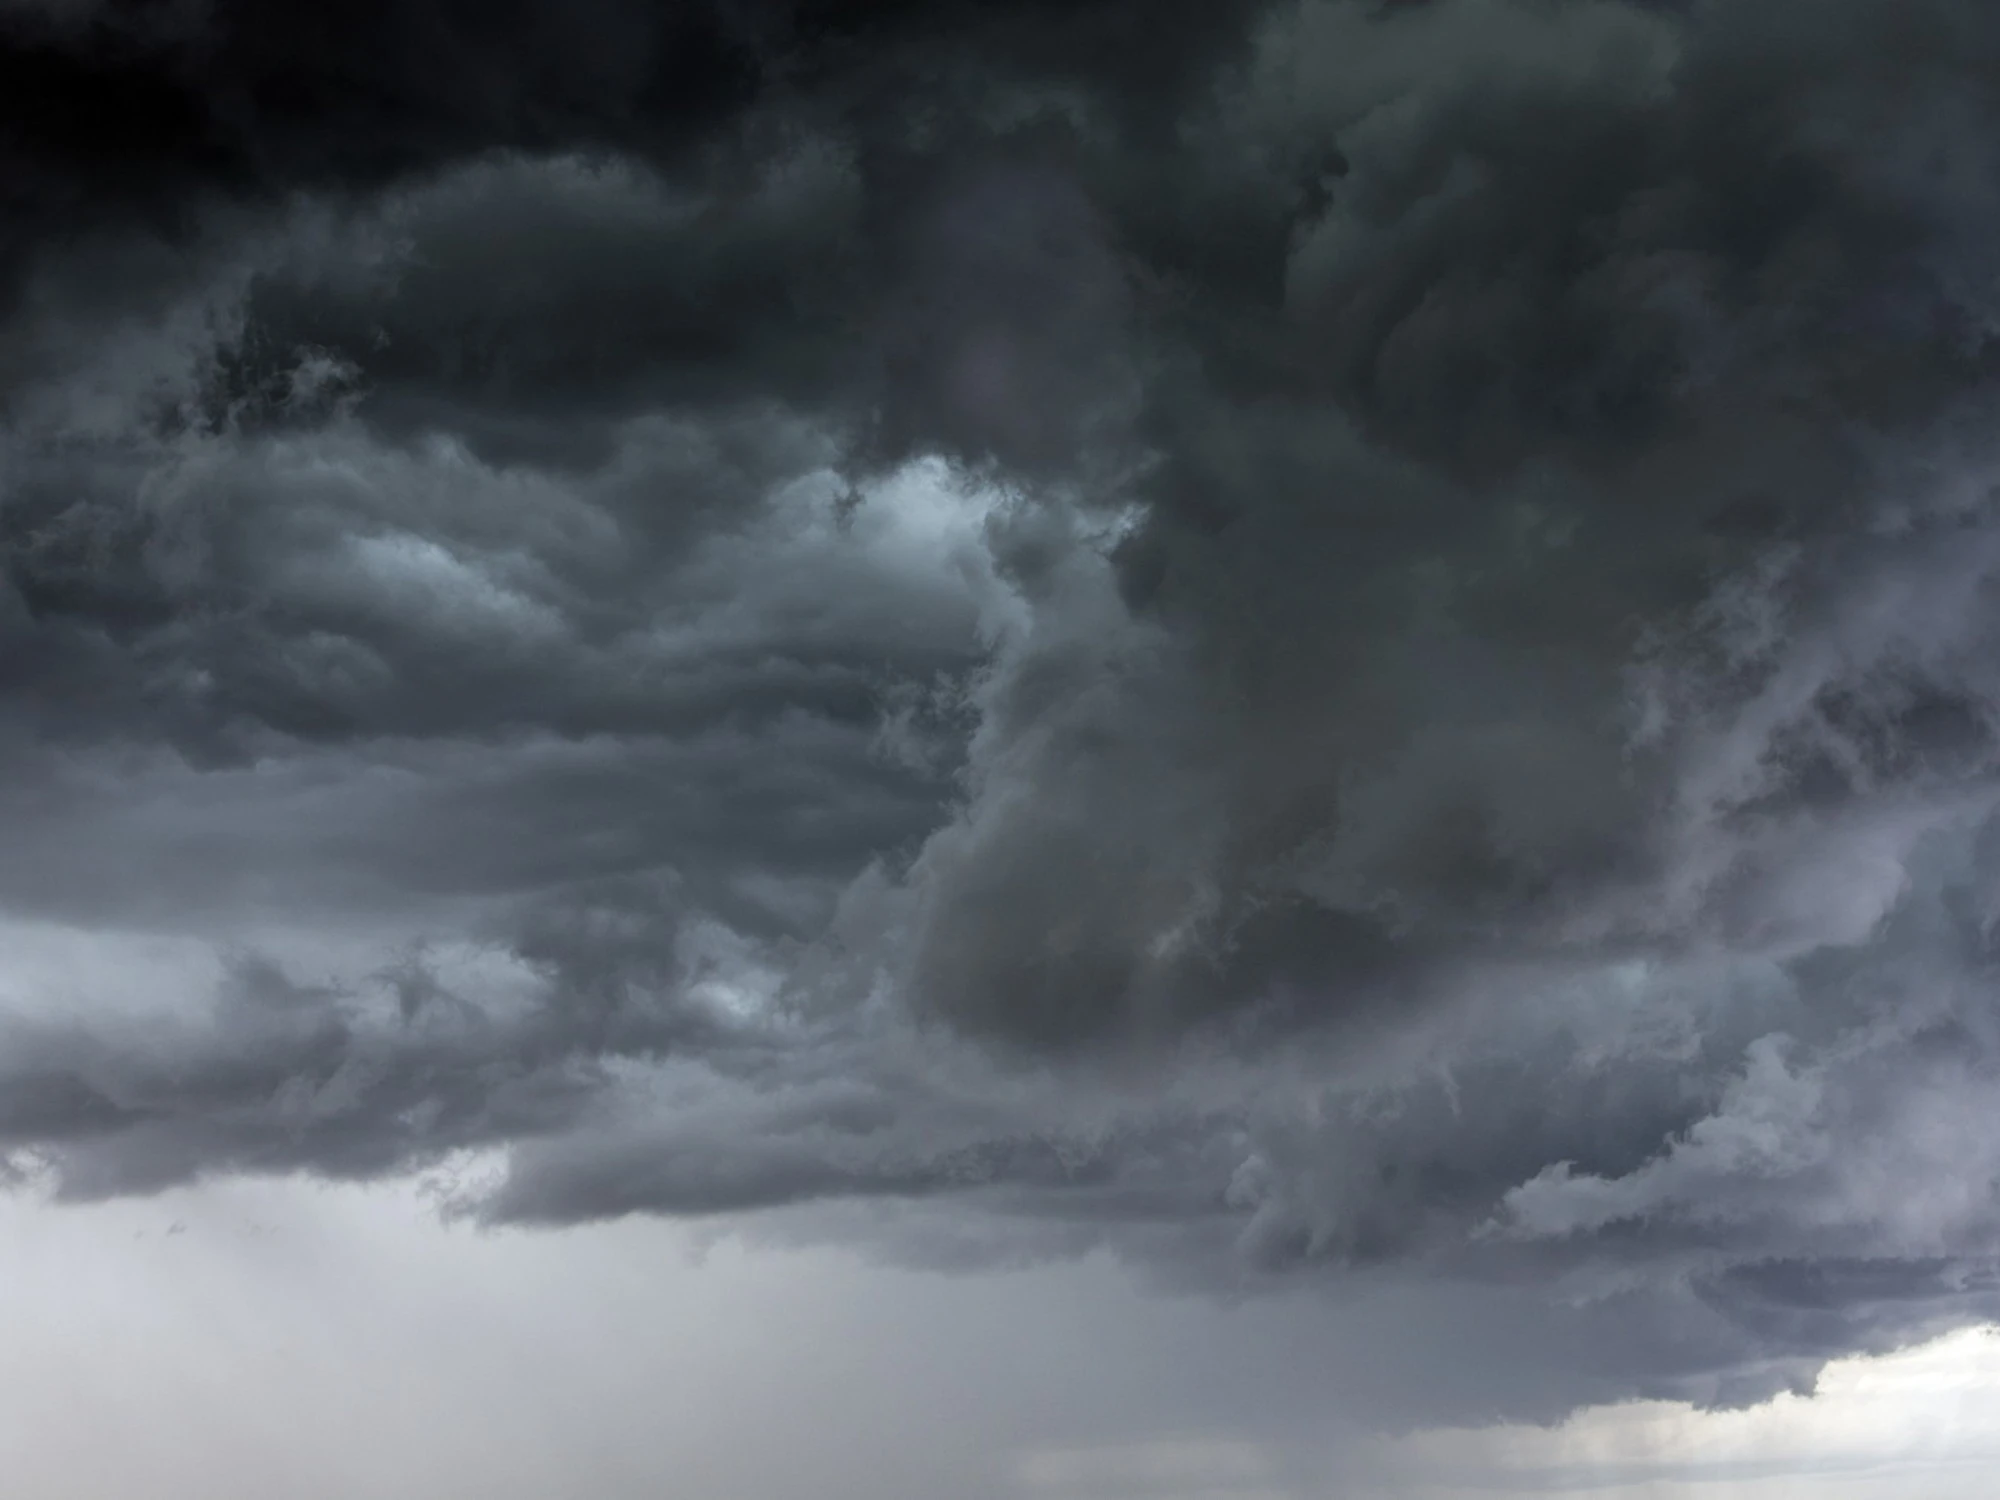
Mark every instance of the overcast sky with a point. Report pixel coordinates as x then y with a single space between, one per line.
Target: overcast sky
1255 742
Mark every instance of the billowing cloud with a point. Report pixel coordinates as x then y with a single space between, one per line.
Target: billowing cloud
1322 642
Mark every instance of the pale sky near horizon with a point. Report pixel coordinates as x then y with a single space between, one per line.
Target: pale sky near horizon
285 1341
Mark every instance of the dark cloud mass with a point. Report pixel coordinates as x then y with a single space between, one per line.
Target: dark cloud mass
1310 641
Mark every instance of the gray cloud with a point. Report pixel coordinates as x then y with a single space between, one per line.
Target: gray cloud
1350 644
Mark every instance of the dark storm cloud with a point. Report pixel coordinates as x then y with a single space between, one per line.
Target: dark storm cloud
1344 641
125 112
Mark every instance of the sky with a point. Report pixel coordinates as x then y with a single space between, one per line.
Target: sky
1238 748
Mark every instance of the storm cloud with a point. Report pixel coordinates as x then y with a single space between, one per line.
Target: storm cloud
1322 642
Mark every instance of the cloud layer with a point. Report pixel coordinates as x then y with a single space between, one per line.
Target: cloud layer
1316 641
